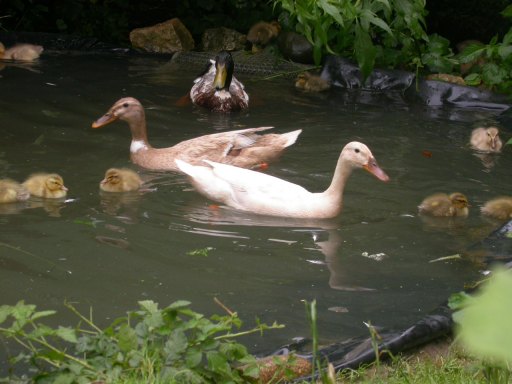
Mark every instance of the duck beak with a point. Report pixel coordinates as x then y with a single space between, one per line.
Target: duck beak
64 188
221 74
107 118
374 169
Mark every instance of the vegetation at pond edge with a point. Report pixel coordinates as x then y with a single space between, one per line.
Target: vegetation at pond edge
375 33
177 345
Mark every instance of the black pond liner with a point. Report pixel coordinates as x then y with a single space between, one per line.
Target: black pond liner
497 247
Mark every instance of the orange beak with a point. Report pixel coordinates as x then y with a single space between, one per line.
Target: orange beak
107 118
374 169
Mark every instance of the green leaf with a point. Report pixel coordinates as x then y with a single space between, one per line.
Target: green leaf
5 311
493 74
473 79
217 362
127 338
365 52
193 357
485 327
509 142
40 314
67 334
458 300
505 51
373 19
507 12
176 345
507 39
331 10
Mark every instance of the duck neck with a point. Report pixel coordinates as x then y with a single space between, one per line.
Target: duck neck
341 174
139 132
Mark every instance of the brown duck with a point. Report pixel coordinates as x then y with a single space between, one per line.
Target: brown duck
243 148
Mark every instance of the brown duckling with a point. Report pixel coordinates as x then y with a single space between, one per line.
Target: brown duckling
120 180
21 52
486 139
498 208
443 205
46 185
311 83
11 191
262 33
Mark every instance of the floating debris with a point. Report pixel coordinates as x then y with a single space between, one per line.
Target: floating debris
375 256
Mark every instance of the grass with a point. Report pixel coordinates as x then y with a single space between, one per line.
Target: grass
437 363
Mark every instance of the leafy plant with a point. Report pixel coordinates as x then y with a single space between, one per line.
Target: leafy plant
173 344
373 31
484 326
492 62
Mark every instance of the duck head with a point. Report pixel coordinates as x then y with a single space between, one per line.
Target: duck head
127 109
493 137
360 156
459 200
224 67
55 184
112 177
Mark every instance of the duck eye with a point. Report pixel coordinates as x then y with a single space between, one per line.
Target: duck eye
126 105
357 150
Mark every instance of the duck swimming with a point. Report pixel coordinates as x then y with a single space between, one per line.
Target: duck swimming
11 191
21 52
443 205
498 208
46 185
120 180
244 148
217 89
260 193
486 139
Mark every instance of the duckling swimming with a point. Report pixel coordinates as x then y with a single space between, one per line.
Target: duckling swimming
443 205
498 208
486 139
120 180
11 191
21 52
46 185
311 83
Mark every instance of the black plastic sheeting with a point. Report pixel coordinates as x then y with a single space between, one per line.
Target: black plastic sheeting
346 74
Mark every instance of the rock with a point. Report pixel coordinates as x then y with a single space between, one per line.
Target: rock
447 78
167 37
219 39
295 47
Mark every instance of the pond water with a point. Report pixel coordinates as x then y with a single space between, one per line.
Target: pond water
373 263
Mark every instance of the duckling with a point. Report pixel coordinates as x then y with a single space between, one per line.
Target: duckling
311 83
12 191
486 139
120 180
498 208
443 205
47 185
21 52
262 33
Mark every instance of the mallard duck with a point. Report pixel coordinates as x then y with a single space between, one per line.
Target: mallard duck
21 52
260 193
486 139
120 180
46 185
217 89
499 208
443 205
12 191
311 83
244 148
262 33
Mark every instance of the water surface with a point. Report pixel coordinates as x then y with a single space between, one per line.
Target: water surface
373 263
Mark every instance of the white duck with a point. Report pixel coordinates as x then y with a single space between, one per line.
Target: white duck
268 195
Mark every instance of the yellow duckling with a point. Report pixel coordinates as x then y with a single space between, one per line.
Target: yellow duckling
47 185
217 89
21 52
499 208
443 205
486 139
311 83
262 33
120 180
12 191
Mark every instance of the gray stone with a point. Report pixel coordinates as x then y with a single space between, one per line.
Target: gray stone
167 37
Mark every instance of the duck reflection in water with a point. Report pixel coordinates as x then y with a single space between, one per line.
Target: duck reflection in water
325 235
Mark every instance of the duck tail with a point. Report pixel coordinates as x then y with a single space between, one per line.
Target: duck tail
290 137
